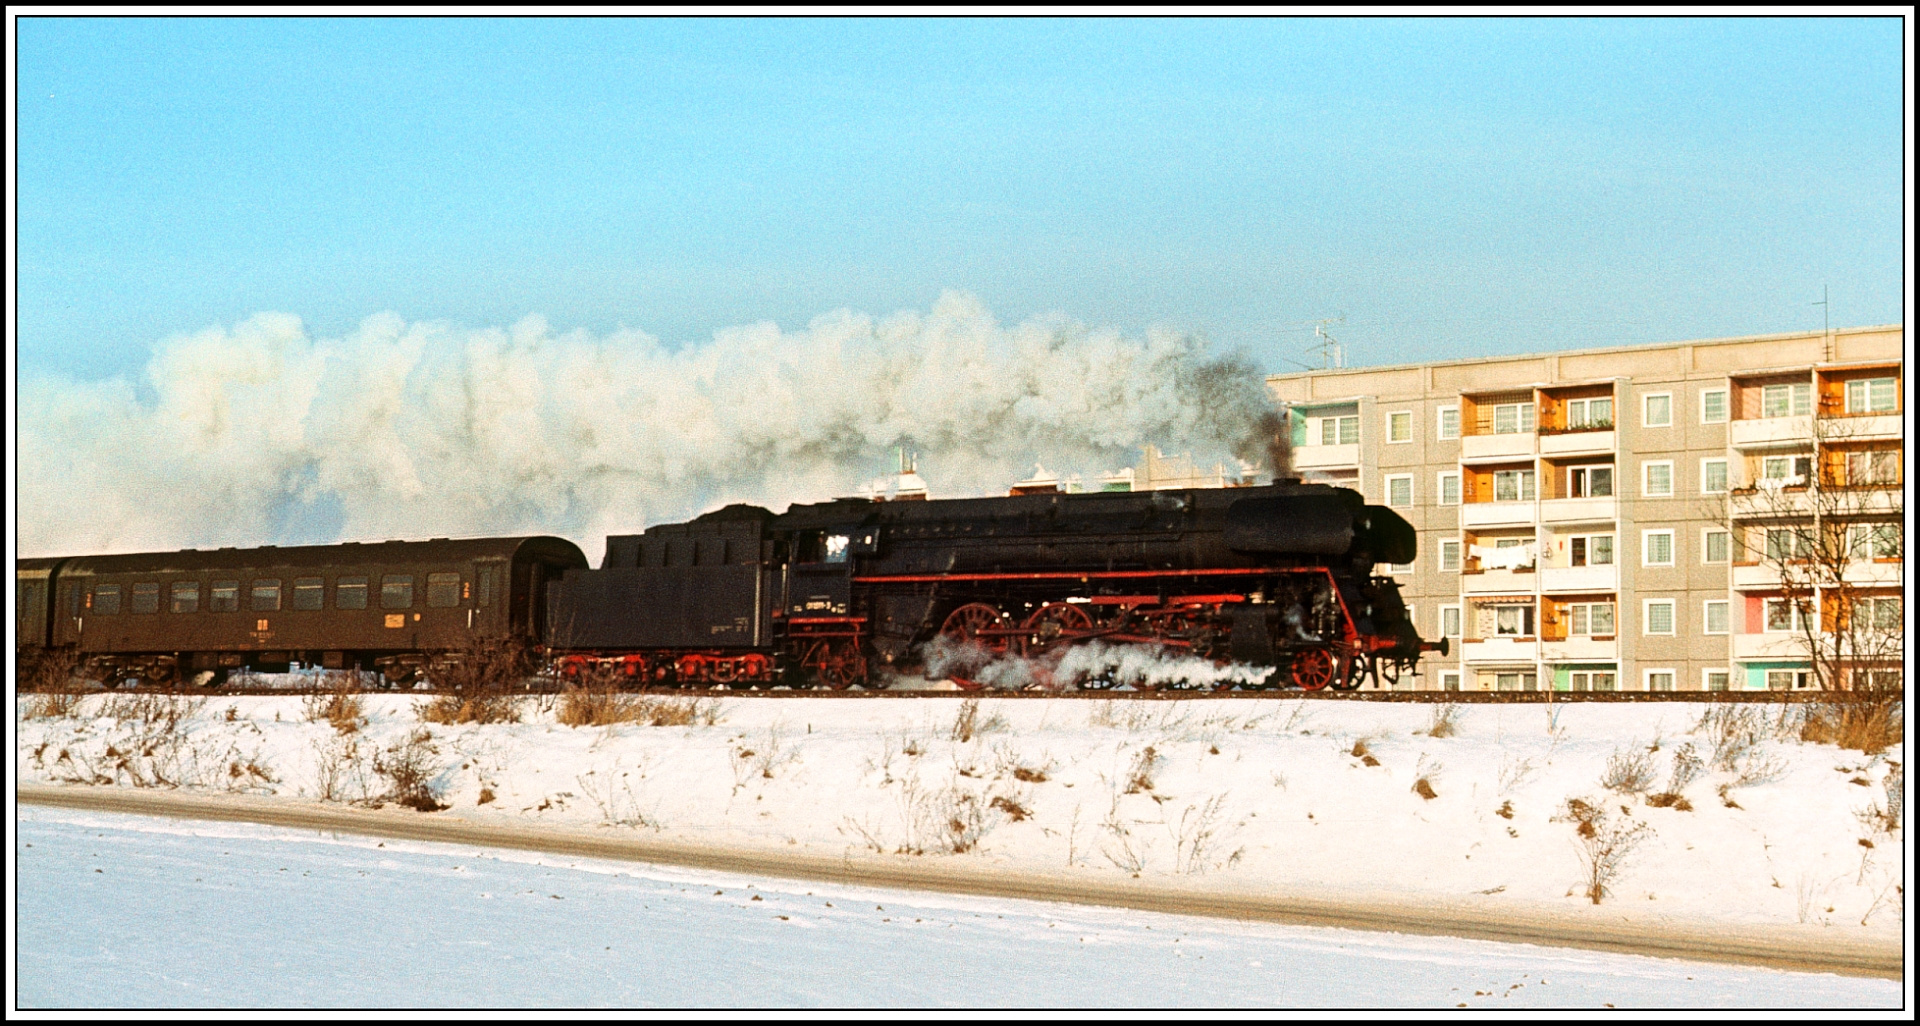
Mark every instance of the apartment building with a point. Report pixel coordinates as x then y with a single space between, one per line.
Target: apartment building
1636 518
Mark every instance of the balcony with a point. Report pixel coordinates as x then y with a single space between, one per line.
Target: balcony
1860 427
1749 647
1578 511
1566 579
1497 582
1492 447
1496 514
1770 432
1878 573
1500 650
1771 501
1849 500
1320 457
1581 650
1577 443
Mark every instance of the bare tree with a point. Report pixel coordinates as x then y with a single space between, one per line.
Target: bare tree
1825 525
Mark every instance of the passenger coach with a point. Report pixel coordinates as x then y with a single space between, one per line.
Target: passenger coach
391 606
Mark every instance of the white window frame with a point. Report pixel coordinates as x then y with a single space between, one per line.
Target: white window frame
1440 422
1527 482
1446 545
1449 677
1706 678
1646 547
1646 479
1613 611
1706 545
1706 616
1867 388
1801 679
1646 411
1796 391
1646 617
1646 678
1613 557
1586 413
1799 613
1459 620
1574 493
1726 396
1525 423
1407 416
1863 543
1440 487
1726 475
1388 483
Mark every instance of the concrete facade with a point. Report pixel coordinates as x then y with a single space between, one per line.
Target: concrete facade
1648 456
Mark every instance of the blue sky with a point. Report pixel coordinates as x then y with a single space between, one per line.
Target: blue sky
1453 187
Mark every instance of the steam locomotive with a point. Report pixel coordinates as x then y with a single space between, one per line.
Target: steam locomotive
834 594
856 591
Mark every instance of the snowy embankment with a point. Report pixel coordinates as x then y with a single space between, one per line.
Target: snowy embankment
1697 815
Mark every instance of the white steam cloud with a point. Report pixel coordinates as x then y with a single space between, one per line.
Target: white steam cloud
263 434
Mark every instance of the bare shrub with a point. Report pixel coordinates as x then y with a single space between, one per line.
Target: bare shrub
1602 844
478 681
1196 836
409 765
1629 771
337 768
1687 768
48 705
1011 805
158 712
614 795
1758 768
1134 715
1010 763
1443 720
1514 772
1733 731
1120 847
1870 723
337 702
49 671
600 705
1424 775
1146 763
968 723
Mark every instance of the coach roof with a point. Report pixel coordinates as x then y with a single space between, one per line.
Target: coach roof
346 554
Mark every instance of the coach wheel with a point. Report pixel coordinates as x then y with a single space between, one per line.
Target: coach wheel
1052 622
724 671
1313 669
838 664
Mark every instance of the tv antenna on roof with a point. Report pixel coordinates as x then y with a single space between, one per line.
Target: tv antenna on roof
1333 355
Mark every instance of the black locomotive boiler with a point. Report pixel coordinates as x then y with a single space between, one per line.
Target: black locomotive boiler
840 593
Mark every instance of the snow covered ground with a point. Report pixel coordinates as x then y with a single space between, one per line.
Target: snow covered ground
132 911
1337 800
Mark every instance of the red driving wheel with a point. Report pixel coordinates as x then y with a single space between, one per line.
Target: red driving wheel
1313 669
967 624
1052 622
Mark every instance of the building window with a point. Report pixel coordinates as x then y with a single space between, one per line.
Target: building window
1587 619
1785 471
1788 543
1782 680
1449 422
1715 680
1874 541
1718 618
1449 621
1590 482
1340 430
1716 545
1449 556
1713 406
265 596
186 597
1400 490
1590 550
1786 615
1659 680
1713 476
1513 486
224 598
1450 680
1513 419
1400 426
1589 414
1875 466
1450 489
1880 612
1786 400
1402 569
1659 616
1590 680
1870 395
1656 479
1658 409
1513 621
396 591
1656 548
1515 681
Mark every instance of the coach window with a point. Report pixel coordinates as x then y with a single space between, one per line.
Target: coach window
443 591
106 600
486 587
146 598
266 596
396 591
309 593
186 597
224 597
350 593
